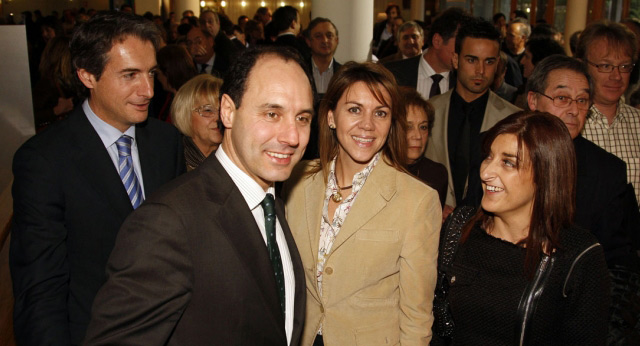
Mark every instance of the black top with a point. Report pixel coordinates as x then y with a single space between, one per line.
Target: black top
490 281
433 174
460 158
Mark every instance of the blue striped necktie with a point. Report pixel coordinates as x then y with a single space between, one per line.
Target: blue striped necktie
127 174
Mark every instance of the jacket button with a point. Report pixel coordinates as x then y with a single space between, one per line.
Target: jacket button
328 270
453 279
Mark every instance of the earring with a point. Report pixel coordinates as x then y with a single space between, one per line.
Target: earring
332 126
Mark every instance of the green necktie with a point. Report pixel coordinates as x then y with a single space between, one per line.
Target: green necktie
269 206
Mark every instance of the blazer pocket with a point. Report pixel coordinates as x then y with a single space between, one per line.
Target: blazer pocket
460 275
380 334
386 235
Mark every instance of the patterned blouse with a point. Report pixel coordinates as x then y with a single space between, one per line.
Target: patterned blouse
329 229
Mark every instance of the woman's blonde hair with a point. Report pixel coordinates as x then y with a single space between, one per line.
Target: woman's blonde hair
204 85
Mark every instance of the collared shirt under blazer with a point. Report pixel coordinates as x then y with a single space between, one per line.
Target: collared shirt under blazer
381 272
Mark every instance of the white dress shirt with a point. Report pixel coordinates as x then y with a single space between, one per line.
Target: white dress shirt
425 71
109 135
254 194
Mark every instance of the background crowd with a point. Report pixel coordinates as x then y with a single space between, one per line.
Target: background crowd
475 109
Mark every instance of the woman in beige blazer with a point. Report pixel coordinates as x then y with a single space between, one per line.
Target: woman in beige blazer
366 230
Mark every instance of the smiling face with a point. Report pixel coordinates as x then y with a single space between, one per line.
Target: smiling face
567 83
205 132
610 86
323 40
507 181
361 123
417 133
267 135
122 94
476 65
411 42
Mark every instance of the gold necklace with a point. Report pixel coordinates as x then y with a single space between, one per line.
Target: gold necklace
337 196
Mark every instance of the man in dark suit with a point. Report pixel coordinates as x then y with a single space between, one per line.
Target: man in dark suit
212 22
432 72
286 21
76 182
201 46
561 86
199 263
322 38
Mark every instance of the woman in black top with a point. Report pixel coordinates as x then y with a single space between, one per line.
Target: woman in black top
521 274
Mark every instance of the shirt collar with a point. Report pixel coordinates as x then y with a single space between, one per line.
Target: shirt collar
595 114
315 67
251 191
108 134
358 179
428 70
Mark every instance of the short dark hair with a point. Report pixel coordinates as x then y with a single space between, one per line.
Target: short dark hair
618 36
318 20
497 17
411 97
407 25
476 28
283 17
543 47
537 82
520 14
235 82
543 30
92 41
241 18
390 7
446 24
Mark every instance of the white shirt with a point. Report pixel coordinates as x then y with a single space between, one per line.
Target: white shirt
209 67
254 194
322 78
109 135
425 71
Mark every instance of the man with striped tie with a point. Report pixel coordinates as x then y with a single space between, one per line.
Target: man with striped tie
76 182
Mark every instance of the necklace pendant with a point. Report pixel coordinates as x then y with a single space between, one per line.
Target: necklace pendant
336 197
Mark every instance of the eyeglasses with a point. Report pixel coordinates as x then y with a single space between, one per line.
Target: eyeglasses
583 103
206 111
608 68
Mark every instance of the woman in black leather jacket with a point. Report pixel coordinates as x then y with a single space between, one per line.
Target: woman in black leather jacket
520 273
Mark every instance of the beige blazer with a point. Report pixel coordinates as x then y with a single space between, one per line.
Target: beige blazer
380 276
437 148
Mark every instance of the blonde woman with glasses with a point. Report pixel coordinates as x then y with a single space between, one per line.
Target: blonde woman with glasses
196 114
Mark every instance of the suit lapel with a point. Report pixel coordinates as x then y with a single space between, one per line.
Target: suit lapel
376 192
93 162
298 270
148 158
314 199
238 224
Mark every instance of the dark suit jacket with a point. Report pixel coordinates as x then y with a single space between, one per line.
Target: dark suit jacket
601 201
190 267
293 42
406 72
69 203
